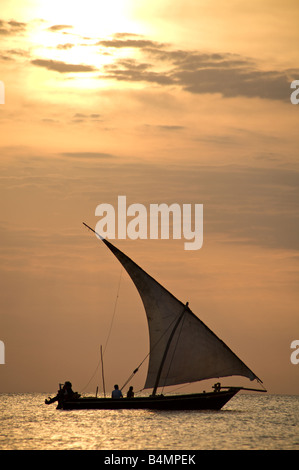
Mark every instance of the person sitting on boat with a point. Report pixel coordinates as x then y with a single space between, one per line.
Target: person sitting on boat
130 393
116 392
67 391
63 393
217 387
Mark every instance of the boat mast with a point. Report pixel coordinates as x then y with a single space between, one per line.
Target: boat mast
103 373
167 348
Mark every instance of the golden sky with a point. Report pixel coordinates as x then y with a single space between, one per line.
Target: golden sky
182 102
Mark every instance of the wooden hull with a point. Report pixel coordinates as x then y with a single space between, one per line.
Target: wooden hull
197 401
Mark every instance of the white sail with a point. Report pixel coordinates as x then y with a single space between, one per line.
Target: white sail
182 348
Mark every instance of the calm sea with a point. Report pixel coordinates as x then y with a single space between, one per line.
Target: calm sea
247 422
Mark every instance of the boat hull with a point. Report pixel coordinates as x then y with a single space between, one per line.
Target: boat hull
197 401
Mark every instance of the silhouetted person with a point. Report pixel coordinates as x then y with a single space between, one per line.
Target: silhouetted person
67 390
64 393
130 393
116 392
217 387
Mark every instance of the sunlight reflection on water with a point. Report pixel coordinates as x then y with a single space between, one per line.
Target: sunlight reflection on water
247 422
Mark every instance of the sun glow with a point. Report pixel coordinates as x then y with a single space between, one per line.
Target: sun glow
70 32
91 18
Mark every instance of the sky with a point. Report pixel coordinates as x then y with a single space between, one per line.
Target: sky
184 102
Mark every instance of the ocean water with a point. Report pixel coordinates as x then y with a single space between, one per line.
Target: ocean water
247 422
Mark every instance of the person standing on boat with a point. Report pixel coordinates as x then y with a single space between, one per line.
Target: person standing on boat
116 392
130 393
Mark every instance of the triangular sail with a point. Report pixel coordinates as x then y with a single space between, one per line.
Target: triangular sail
182 348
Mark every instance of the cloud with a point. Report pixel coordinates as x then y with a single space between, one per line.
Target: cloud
59 27
62 67
13 54
133 71
230 75
233 81
242 204
128 43
170 127
81 117
65 46
88 155
11 27
194 71
5 57
149 61
167 128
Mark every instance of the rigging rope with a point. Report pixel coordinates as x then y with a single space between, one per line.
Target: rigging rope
117 295
109 332
174 351
84 388
148 354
